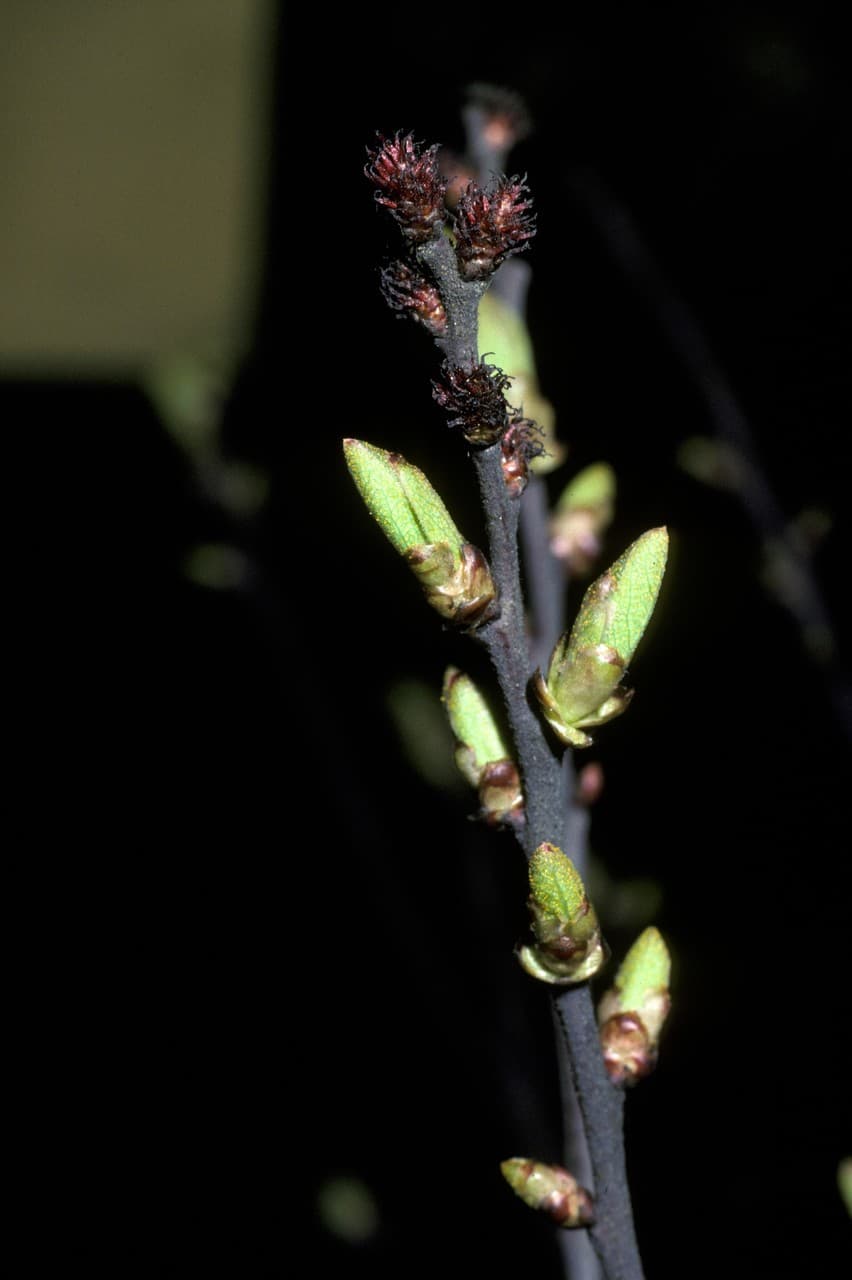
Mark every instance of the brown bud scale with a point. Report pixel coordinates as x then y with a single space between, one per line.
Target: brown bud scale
500 795
628 1053
572 1208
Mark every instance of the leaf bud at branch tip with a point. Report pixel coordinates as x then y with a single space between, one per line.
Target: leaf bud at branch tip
582 685
481 753
568 945
550 1189
631 1014
454 574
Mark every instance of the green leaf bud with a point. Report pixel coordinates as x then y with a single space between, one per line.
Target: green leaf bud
645 969
475 728
481 752
586 666
568 945
582 513
454 574
409 511
550 1189
631 1014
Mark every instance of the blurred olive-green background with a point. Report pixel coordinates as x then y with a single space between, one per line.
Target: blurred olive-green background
134 153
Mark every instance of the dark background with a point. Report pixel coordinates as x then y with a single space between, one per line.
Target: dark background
291 957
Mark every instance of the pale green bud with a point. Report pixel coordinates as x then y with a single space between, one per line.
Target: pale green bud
631 1014
505 341
586 666
582 513
568 945
645 970
481 752
550 1189
477 732
453 573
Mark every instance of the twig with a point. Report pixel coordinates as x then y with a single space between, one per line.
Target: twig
409 185
601 1105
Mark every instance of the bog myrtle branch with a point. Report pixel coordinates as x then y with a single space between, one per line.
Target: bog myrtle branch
555 687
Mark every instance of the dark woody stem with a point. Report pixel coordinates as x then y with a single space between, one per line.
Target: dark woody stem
506 641
460 299
548 817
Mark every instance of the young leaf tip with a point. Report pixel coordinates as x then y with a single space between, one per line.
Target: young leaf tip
400 498
555 883
632 1013
645 969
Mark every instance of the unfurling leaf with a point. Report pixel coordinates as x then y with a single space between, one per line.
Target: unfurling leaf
568 946
586 666
550 1189
631 1014
453 573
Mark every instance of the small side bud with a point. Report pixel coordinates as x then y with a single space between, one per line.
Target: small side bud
568 945
590 785
409 185
475 396
631 1014
586 666
550 1189
481 752
521 443
490 224
499 114
453 573
583 512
